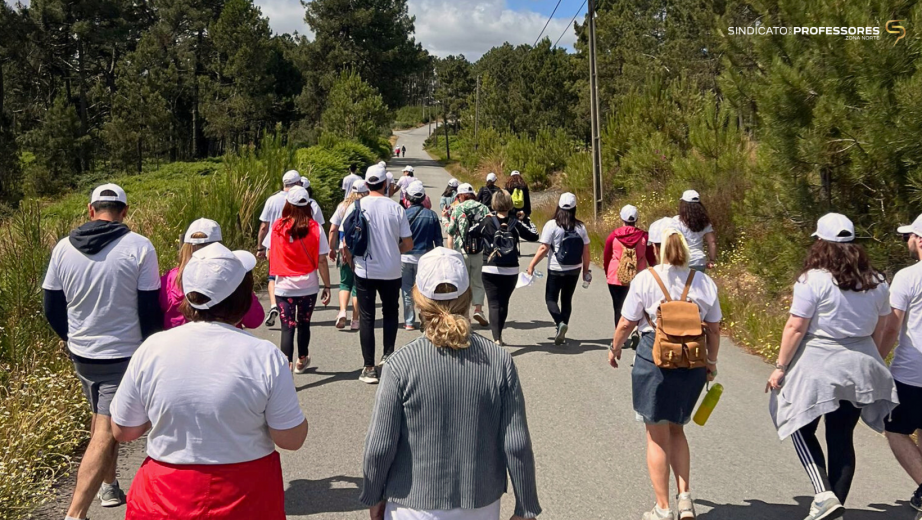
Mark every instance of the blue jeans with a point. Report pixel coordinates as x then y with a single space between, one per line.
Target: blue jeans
409 280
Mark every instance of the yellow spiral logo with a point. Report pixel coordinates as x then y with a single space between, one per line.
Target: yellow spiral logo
896 29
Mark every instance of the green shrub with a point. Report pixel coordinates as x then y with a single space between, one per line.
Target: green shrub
410 117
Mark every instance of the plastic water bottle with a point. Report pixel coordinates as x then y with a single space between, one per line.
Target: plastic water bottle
587 280
707 405
538 273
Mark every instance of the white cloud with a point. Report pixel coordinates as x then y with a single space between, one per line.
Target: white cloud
285 16
472 27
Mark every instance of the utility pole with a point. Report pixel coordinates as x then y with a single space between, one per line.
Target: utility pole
477 115
445 124
594 113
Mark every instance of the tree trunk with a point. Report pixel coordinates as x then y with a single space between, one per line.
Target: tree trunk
195 100
140 157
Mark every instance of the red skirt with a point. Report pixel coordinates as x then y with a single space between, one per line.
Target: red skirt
246 490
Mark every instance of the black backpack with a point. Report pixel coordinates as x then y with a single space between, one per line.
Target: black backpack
570 251
471 245
355 230
504 245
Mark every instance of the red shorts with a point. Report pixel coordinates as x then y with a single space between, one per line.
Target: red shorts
246 490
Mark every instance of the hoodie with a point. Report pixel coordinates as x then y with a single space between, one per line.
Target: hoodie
630 237
94 236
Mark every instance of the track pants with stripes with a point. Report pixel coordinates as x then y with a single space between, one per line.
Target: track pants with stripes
840 429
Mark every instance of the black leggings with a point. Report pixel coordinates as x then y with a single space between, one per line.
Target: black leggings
840 430
618 295
499 288
295 314
560 287
366 290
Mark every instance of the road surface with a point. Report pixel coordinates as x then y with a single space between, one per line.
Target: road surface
588 448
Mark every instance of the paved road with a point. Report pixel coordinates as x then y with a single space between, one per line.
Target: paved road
589 451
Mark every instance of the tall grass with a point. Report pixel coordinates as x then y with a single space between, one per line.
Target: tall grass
43 416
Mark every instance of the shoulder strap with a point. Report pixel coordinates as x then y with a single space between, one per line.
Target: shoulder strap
688 283
496 222
661 284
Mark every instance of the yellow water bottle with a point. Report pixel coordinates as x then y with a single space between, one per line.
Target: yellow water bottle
708 404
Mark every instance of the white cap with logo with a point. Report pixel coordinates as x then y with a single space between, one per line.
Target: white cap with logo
291 178
205 226
691 196
305 182
416 189
915 228
408 169
114 188
567 201
629 213
465 188
657 228
359 186
215 271
515 172
491 177
453 183
375 174
442 266
298 196
835 227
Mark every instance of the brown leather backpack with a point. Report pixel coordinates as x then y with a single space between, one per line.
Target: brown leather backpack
680 341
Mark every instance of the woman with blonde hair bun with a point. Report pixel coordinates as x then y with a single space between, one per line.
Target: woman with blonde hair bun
414 466
664 396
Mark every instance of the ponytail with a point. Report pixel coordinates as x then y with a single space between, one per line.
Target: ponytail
445 323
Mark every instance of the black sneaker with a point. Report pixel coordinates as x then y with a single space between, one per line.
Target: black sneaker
916 500
369 375
271 316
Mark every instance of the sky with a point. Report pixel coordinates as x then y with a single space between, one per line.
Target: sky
469 27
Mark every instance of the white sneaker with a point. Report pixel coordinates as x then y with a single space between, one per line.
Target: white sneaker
825 506
341 320
481 319
561 336
302 365
656 515
369 376
110 495
685 507
355 325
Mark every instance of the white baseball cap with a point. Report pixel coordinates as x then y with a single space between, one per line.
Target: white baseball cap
691 196
291 177
567 201
453 183
383 165
491 177
465 188
215 271
389 176
515 172
115 188
914 228
416 189
305 182
359 186
408 169
835 227
657 228
629 213
207 227
375 174
298 196
442 265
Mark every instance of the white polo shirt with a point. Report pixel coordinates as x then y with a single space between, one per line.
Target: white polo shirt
906 295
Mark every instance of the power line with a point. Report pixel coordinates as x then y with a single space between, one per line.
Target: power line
570 24
546 24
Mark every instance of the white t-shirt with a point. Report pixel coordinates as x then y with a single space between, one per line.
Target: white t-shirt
303 285
835 313
272 211
646 295
202 415
393 511
102 294
695 241
348 181
387 226
404 182
551 236
906 295
492 269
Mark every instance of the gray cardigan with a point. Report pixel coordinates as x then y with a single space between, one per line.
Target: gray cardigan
447 425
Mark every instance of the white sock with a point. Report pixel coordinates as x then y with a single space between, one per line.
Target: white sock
71 518
663 512
683 496
113 484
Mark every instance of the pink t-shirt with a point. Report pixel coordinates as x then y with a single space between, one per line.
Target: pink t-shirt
171 297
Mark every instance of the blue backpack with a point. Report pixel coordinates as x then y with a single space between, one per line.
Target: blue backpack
355 230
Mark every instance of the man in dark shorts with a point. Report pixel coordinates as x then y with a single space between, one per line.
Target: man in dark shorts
101 298
905 323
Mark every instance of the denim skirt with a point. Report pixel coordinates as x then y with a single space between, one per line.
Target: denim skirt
664 396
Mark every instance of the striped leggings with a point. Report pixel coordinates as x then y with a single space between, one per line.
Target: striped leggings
840 430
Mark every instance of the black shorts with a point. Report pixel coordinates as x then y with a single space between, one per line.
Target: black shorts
907 417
